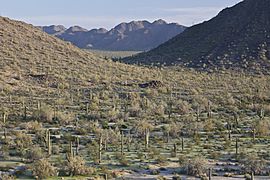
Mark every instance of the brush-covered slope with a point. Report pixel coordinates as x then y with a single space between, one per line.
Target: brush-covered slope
30 58
132 36
237 37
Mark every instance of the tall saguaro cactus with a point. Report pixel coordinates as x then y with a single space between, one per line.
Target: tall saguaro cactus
100 149
4 122
261 114
77 145
146 138
87 108
210 173
129 140
25 113
70 154
229 128
182 140
122 142
48 141
209 111
236 146
4 117
175 149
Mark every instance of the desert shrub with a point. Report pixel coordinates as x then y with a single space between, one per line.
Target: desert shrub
183 107
262 127
154 172
182 160
140 155
253 163
56 149
161 178
122 159
154 153
44 114
93 151
159 110
7 177
33 126
215 155
35 153
43 169
76 166
64 118
22 141
135 111
196 166
161 159
4 152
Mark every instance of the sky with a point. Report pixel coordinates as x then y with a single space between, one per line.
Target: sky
108 13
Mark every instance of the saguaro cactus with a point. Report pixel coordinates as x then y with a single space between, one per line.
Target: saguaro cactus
48 141
38 105
4 121
182 139
87 108
129 140
174 149
236 146
77 145
210 173
146 138
209 111
252 175
70 154
4 117
100 149
254 134
25 113
198 112
236 118
261 115
122 143
229 128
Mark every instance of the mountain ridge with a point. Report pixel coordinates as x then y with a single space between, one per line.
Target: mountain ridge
238 36
135 35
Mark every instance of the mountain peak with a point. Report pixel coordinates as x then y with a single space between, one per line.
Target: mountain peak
159 22
76 29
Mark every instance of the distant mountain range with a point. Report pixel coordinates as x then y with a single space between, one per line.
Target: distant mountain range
237 37
133 36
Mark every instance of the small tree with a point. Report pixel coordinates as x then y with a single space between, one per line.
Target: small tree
43 169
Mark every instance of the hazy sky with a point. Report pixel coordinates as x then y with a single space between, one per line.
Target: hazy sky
108 13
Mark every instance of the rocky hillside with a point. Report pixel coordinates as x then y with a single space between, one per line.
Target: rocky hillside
133 36
237 37
31 59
